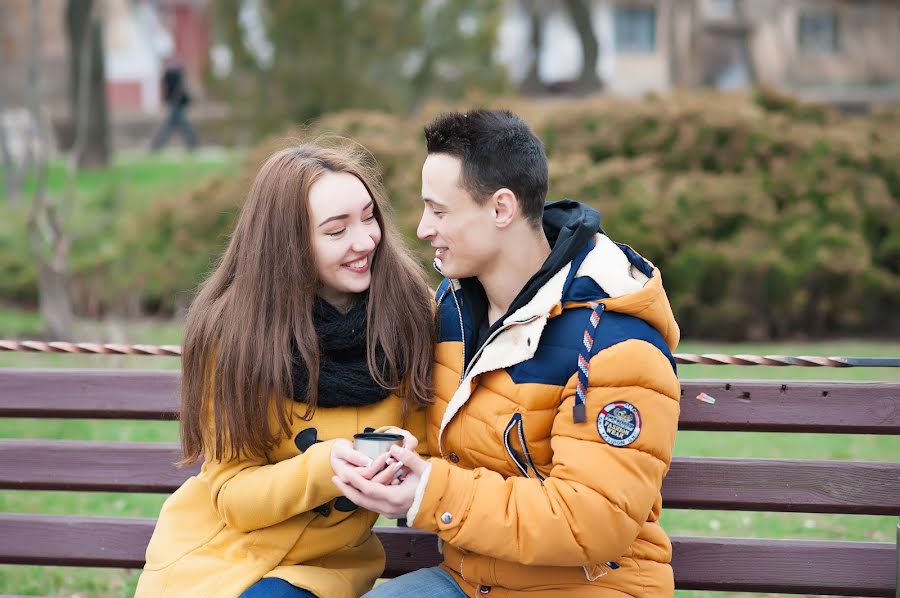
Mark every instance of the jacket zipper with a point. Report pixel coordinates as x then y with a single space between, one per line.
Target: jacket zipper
509 449
521 464
462 328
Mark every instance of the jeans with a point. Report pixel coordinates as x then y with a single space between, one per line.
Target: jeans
177 119
272 587
433 582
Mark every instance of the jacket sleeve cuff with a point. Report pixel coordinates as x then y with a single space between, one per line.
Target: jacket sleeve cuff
446 496
420 494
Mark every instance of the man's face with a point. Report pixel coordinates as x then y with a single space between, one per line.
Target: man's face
461 232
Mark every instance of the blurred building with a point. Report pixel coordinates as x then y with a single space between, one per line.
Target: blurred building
840 50
138 36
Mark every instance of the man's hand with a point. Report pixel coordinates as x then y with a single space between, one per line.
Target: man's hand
392 501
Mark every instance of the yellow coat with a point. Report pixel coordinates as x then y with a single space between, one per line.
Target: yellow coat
528 502
241 520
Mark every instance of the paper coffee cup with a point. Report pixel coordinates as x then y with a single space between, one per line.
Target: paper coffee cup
373 444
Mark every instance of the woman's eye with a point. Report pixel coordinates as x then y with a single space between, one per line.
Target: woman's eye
336 233
370 217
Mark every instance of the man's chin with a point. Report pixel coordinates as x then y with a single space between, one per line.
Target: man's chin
450 270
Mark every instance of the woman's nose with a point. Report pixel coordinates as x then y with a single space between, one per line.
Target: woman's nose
363 242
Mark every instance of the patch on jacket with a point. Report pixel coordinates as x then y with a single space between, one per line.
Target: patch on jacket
619 423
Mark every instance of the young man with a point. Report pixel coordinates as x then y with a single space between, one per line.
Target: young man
556 394
176 95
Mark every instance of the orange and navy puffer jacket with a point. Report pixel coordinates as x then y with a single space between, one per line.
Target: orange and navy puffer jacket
551 434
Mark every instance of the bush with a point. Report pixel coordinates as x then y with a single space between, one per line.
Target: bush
769 218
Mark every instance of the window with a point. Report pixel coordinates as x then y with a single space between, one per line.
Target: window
721 9
817 33
635 29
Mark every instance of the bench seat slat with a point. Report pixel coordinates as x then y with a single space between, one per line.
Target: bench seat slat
748 405
850 487
727 564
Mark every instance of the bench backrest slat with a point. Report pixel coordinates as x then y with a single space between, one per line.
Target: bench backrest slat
756 405
89 394
771 406
791 566
850 487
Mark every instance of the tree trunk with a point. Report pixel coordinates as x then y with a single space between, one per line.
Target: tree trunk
588 81
745 46
49 244
532 82
86 32
55 299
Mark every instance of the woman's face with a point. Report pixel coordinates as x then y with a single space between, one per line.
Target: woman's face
345 235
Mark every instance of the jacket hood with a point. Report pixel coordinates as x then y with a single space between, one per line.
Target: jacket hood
629 284
585 266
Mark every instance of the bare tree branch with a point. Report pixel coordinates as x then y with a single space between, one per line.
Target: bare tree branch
35 109
49 245
13 174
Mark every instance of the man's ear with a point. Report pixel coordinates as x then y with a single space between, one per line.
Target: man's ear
506 207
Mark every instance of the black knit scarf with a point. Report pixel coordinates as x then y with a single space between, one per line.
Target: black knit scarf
344 377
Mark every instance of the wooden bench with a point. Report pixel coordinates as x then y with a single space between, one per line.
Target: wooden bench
701 563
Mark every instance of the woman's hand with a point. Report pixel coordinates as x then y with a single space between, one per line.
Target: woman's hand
345 458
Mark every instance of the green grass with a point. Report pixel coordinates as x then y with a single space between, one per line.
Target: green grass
144 177
67 581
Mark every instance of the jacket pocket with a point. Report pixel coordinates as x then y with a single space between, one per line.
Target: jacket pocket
517 447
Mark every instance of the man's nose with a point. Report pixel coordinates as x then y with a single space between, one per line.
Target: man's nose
425 230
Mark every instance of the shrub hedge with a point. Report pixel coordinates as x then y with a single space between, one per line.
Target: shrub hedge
768 217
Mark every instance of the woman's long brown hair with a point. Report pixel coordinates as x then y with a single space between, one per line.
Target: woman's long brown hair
236 354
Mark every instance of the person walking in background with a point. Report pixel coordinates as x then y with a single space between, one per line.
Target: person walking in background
176 95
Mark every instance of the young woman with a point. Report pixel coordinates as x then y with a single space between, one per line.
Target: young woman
316 325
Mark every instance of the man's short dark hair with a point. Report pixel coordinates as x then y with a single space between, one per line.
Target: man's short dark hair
497 149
